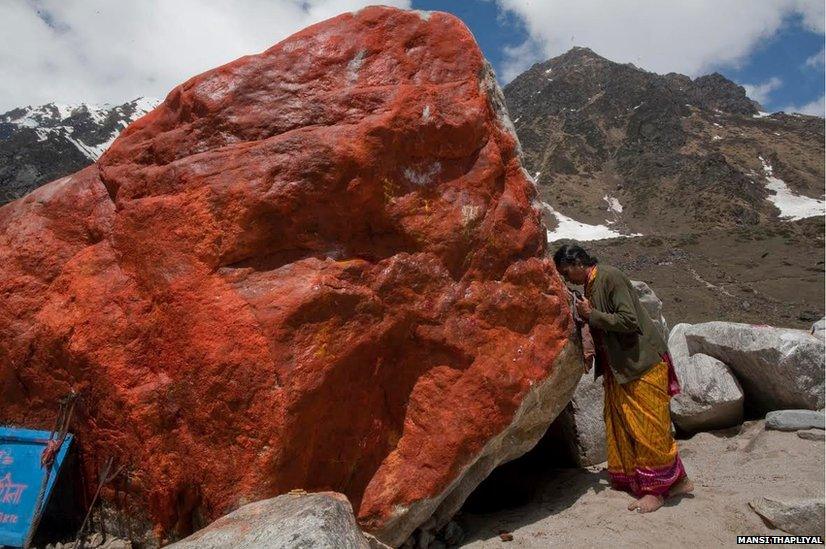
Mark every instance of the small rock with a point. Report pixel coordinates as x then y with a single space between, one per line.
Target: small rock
581 424
117 543
819 326
812 434
95 540
794 420
653 306
505 536
452 533
374 542
808 316
425 539
800 517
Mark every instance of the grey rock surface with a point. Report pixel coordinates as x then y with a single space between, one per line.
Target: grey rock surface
321 520
812 434
778 368
582 425
653 305
794 420
801 517
711 397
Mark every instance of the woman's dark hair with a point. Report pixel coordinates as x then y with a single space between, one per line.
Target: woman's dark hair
572 255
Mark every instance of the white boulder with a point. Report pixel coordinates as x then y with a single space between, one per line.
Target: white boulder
711 397
778 368
323 520
794 420
800 517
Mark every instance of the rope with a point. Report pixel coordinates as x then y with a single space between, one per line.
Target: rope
56 438
104 478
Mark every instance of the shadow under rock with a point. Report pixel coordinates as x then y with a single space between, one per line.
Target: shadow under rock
523 492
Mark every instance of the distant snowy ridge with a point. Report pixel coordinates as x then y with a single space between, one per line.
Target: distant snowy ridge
43 143
70 122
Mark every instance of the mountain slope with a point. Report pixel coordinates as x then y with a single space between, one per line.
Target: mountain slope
40 144
690 166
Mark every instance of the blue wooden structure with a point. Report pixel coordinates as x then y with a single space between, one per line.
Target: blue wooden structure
21 477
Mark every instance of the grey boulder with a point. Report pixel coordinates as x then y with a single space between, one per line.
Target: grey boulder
800 517
778 368
711 397
653 306
318 520
582 426
794 420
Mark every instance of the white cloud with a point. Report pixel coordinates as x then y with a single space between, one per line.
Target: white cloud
815 60
114 50
815 108
761 92
691 37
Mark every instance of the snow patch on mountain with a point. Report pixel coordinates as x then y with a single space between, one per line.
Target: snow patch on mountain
792 206
570 229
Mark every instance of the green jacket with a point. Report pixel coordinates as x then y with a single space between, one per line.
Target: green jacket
631 344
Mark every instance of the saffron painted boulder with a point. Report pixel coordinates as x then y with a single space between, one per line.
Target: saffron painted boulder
319 267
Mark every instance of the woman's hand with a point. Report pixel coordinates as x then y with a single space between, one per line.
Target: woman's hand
583 307
589 361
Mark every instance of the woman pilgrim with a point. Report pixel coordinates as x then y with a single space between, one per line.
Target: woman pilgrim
639 380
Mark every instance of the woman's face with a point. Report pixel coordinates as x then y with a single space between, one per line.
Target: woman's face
574 274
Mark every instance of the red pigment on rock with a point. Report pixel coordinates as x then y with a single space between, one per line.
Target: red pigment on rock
317 267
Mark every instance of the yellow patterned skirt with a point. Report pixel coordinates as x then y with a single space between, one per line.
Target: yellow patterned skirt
642 452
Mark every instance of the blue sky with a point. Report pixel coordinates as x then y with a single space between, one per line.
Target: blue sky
112 51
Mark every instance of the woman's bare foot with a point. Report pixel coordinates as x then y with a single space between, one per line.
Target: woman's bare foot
683 487
646 504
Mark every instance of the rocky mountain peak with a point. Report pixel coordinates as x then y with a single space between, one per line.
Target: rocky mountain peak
619 151
715 91
581 71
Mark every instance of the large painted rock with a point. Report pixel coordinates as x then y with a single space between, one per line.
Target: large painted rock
319 267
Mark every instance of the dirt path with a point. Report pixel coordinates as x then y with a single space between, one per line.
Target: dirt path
576 507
